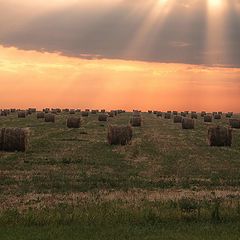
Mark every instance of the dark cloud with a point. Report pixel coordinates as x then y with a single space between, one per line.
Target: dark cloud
94 30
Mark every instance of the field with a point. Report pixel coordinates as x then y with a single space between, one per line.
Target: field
168 183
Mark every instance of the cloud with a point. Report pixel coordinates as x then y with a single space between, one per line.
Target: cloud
106 29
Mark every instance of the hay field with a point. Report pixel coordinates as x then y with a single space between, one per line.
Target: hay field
166 175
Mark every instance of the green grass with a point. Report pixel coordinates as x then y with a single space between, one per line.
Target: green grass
146 181
176 231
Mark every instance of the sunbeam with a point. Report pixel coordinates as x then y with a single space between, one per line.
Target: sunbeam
152 23
216 47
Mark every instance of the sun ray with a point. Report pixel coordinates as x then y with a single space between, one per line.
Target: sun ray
216 49
159 10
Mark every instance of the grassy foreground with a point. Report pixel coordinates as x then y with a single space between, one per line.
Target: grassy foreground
177 231
168 184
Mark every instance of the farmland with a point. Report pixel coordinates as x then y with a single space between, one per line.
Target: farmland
72 179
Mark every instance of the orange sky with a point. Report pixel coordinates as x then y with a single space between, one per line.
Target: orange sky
40 79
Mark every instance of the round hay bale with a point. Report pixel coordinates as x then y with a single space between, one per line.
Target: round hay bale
40 115
234 123
119 111
207 118
103 111
85 114
22 114
167 115
32 110
220 136
217 116
73 122
183 114
175 113
46 110
54 111
14 139
150 111
94 111
177 119
136 121
188 123
136 113
72 111
194 115
3 113
119 135
50 117
102 117
111 114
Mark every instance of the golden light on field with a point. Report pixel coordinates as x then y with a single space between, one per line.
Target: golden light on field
49 79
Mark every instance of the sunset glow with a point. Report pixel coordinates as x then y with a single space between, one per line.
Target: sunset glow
163 54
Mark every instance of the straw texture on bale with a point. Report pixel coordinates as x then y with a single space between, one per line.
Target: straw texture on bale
119 135
188 123
50 117
22 114
85 114
136 121
220 136
207 118
177 119
40 115
102 117
234 123
73 122
14 139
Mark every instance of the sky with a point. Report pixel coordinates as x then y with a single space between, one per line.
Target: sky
145 54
